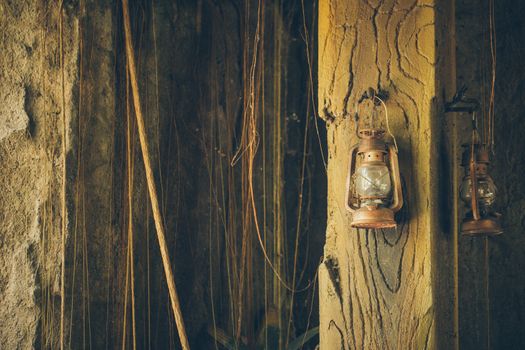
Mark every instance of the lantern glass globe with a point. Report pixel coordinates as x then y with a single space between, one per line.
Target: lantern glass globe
485 187
373 184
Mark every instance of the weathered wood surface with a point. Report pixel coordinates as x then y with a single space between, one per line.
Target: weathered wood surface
490 284
387 289
472 293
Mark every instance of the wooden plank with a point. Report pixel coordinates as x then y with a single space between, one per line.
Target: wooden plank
472 296
387 289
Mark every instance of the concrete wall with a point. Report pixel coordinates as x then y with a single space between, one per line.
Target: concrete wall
31 121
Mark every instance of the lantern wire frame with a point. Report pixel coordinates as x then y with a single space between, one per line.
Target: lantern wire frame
384 217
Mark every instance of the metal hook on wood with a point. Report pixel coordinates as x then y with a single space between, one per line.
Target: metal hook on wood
461 103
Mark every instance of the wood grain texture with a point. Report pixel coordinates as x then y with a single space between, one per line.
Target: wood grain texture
378 288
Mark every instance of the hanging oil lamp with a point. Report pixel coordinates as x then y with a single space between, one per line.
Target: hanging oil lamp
478 191
373 187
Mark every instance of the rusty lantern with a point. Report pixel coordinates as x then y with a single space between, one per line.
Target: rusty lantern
373 188
478 191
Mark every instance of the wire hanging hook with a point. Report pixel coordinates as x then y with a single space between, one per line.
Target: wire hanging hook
387 124
377 97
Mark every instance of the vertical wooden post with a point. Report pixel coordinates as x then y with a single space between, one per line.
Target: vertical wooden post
388 289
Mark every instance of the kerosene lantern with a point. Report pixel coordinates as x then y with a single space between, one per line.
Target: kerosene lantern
373 189
478 191
477 188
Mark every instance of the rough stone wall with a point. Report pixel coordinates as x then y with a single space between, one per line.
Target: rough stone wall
31 166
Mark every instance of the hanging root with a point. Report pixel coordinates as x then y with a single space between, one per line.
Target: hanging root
63 192
151 181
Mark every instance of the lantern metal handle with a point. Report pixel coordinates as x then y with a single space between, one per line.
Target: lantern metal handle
351 169
397 196
474 186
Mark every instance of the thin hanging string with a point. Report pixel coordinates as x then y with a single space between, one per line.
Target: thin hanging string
311 80
483 88
487 287
63 180
490 137
492 37
258 230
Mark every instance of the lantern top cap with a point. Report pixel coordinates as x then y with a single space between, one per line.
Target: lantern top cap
481 154
371 133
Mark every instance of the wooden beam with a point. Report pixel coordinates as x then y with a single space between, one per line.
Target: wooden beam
389 289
